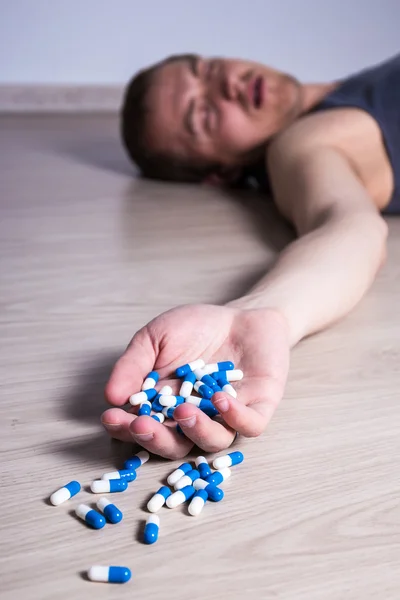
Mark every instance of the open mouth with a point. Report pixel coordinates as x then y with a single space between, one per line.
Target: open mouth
258 92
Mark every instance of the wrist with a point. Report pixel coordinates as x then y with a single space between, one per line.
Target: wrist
262 302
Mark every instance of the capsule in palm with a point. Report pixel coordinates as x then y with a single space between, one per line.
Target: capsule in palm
150 381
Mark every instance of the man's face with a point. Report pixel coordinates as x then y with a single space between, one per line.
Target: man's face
218 110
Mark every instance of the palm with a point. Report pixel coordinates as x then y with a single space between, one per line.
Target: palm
255 340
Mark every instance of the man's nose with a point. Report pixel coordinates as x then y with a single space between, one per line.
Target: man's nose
224 86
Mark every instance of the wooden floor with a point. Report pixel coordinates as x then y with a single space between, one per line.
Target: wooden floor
88 255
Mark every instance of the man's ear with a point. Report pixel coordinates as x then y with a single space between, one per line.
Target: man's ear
224 176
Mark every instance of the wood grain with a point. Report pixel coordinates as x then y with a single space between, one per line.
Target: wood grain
88 255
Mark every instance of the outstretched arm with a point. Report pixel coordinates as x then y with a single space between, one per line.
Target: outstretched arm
322 275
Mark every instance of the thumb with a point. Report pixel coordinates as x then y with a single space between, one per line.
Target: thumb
131 369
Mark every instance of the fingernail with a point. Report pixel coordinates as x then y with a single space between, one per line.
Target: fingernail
222 405
112 426
143 437
189 422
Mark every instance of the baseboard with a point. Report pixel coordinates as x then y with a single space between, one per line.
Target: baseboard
60 98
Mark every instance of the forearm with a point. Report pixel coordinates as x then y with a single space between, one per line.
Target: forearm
321 276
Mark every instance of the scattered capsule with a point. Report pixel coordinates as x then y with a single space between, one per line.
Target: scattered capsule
65 493
102 574
228 460
166 390
187 385
151 380
180 496
137 461
192 366
158 500
168 411
226 365
145 409
203 466
105 486
207 379
178 473
204 390
140 397
151 529
158 417
187 479
225 385
125 474
234 375
171 400
214 493
109 510
90 516
219 476
197 503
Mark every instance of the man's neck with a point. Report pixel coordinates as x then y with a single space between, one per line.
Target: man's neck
313 93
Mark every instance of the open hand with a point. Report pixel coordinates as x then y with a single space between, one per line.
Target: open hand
256 341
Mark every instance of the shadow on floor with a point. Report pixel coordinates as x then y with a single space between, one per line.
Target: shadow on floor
103 152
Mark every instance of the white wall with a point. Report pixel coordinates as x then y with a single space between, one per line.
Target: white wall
105 41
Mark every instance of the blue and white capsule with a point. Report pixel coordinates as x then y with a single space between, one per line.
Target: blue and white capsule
225 365
151 381
158 417
214 492
145 409
168 412
228 460
157 501
197 503
137 461
201 403
224 384
192 366
234 375
207 380
203 467
106 486
137 399
210 411
156 406
126 474
179 473
151 529
204 390
65 493
171 401
187 479
166 390
90 516
102 574
219 476
109 510
187 385
180 496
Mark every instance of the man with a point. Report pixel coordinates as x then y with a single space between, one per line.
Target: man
330 154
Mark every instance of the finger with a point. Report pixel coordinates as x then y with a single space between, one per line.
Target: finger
116 422
131 369
249 421
158 438
207 434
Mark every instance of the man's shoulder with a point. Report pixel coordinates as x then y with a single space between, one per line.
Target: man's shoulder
336 127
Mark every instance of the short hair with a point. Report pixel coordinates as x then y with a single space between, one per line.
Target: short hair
135 115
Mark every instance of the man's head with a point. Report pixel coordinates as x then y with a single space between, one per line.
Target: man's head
189 118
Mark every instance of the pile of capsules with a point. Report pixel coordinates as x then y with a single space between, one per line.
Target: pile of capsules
198 377
197 484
